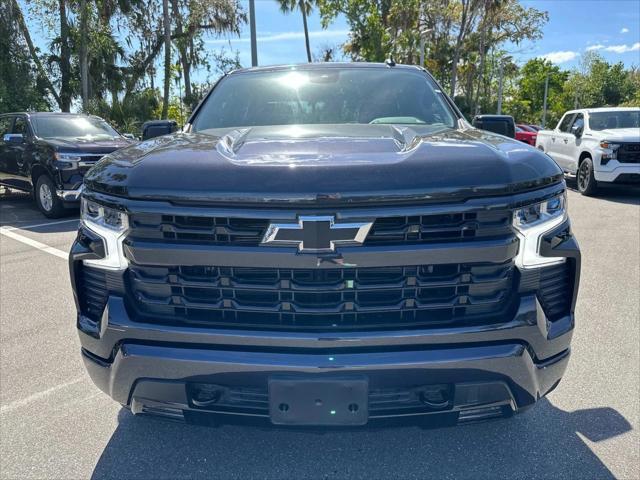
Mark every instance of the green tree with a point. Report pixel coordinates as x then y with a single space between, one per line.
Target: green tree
305 7
21 86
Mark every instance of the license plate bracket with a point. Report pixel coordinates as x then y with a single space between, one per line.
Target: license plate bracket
318 401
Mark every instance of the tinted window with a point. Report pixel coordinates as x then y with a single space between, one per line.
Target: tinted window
20 126
613 120
73 127
498 125
5 125
565 124
329 96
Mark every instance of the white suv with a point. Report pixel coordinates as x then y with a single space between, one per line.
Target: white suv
596 145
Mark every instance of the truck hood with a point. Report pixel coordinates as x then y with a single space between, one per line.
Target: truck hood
323 163
86 146
619 134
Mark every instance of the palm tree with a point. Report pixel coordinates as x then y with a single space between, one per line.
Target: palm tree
305 7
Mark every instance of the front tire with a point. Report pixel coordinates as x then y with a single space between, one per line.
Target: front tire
48 202
585 180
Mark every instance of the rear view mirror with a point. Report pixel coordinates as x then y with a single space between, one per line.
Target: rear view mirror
157 128
15 138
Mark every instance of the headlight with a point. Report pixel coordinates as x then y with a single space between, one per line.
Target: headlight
111 225
66 161
531 223
67 157
608 144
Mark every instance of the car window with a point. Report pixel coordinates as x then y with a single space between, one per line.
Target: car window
20 126
72 127
5 125
614 119
324 96
565 124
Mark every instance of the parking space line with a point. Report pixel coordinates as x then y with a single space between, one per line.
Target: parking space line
7 232
37 396
26 227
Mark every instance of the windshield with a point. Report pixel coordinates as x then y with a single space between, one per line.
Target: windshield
329 96
614 119
72 127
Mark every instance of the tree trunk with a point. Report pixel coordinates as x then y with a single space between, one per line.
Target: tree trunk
34 55
65 59
167 58
183 52
84 55
306 30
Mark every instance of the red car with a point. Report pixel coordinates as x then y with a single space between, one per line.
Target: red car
526 134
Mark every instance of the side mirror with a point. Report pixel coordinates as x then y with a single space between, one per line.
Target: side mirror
15 138
576 130
157 128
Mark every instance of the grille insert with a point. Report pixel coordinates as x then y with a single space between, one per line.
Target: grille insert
628 153
94 292
452 227
554 291
359 298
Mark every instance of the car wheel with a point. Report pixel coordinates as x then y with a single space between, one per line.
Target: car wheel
46 199
585 180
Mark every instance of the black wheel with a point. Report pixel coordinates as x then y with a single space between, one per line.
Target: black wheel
46 199
585 180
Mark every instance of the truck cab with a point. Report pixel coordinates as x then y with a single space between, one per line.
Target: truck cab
596 145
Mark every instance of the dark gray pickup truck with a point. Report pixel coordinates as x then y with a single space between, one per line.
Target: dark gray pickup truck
327 245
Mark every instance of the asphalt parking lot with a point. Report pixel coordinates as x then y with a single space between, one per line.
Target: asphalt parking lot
55 424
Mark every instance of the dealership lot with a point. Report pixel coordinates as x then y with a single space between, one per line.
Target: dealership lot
55 424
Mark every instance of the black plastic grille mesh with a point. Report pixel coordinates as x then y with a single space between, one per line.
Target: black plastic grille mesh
358 298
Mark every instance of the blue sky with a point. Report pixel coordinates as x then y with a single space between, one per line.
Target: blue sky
611 27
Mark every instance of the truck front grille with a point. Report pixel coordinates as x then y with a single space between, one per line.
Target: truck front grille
322 299
629 153
398 230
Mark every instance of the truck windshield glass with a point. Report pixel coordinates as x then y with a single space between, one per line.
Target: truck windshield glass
73 127
612 120
330 96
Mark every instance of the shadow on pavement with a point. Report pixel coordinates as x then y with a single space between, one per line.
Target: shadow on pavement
542 443
18 209
627 194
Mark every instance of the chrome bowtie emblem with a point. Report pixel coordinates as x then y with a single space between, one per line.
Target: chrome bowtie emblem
314 234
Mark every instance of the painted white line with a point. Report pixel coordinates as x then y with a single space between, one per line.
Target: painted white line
33 243
26 227
37 396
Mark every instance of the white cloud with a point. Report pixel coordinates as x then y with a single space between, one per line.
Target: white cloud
615 48
624 30
623 48
560 56
284 36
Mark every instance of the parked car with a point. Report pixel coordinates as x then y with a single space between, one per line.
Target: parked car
537 128
526 128
598 145
49 153
502 124
307 253
526 136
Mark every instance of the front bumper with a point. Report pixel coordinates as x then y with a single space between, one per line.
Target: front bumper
614 170
491 371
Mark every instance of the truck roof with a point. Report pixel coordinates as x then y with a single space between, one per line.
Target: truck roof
604 109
